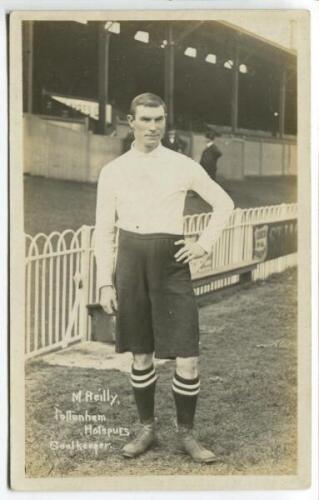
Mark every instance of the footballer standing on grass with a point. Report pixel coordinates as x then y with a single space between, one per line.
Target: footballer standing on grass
149 288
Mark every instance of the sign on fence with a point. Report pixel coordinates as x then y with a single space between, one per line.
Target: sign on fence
274 239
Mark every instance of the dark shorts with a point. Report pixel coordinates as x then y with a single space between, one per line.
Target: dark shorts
157 310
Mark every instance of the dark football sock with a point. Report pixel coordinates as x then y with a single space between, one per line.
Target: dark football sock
185 393
143 383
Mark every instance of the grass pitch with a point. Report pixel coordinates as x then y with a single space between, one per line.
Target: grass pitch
56 205
246 410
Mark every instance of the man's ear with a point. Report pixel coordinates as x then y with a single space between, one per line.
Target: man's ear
130 119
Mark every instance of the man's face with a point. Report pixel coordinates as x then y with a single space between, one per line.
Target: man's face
148 126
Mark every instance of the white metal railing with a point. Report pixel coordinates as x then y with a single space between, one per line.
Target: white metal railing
61 272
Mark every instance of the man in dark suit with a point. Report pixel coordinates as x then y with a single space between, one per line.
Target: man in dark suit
210 155
174 142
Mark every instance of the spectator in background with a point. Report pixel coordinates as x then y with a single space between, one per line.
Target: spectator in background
210 155
174 142
127 141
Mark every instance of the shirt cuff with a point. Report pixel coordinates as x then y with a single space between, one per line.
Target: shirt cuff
105 279
204 243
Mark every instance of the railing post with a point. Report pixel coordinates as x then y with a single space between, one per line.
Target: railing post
85 275
239 237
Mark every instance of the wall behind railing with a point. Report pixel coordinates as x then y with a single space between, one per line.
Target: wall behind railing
54 151
251 156
58 151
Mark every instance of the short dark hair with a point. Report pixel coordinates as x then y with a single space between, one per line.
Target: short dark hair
147 99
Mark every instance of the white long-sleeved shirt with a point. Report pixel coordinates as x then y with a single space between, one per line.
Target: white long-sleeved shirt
146 192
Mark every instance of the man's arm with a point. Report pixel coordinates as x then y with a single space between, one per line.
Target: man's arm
214 195
205 159
222 205
104 238
217 152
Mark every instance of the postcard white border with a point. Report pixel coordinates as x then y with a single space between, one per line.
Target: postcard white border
17 252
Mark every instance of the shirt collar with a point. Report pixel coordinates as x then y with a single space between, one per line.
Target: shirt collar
152 154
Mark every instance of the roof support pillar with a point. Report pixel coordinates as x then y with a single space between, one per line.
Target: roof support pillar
235 90
103 85
169 75
27 27
282 101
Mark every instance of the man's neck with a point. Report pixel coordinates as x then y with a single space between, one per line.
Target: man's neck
144 149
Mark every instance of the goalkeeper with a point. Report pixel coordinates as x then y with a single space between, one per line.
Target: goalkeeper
150 288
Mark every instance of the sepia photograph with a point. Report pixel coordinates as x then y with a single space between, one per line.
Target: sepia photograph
160 252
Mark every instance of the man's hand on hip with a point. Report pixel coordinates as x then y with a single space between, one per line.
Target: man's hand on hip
108 299
189 251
